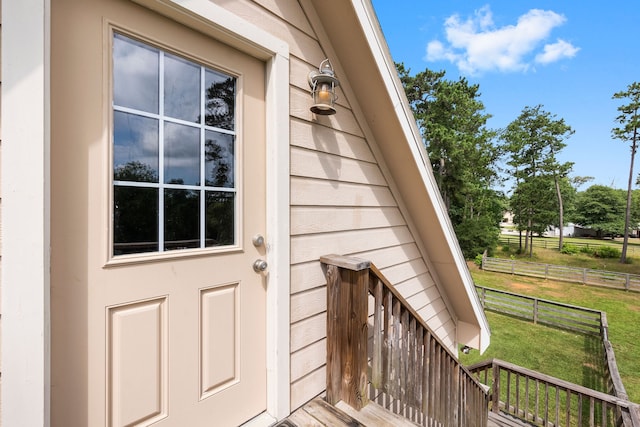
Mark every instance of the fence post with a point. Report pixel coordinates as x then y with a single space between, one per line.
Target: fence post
584 276
513 266
546 271
535 311
626 284
347 304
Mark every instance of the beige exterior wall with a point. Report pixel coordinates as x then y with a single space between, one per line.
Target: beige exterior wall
341 201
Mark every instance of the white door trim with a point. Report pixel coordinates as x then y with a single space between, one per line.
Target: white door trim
211 19
25 213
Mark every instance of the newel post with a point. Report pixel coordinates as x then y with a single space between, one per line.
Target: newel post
347 296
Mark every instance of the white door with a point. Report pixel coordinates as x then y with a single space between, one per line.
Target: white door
158 191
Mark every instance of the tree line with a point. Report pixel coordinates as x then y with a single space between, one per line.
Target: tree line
483 172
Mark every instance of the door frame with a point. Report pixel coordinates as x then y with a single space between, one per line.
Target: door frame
25 173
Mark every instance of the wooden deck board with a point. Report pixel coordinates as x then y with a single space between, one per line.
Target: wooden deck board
302 418
318 413
376 415
503 420
329 415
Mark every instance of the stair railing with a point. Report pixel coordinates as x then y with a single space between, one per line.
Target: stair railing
542 400
379 348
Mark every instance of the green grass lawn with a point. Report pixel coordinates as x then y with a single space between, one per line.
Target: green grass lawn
535 347
558 353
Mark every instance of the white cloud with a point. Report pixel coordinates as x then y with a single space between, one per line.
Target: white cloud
475 45
556 51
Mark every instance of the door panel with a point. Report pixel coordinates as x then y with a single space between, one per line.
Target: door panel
169 329
219 347
137 370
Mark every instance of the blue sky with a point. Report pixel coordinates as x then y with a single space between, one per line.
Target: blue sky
569 56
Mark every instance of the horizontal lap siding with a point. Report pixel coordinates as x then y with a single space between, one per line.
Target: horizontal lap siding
340 203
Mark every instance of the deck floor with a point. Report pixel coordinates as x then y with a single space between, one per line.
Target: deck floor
318 413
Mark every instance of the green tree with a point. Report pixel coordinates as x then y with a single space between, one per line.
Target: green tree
635 213
578 181
462 152
135 209
533 141
534 207
569 191
600 208
628 132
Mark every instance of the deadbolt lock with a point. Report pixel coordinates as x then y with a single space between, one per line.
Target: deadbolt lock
258 240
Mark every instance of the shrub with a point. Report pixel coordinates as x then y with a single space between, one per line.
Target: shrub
587 250
569 249
607 252
478 260
476 235
505 248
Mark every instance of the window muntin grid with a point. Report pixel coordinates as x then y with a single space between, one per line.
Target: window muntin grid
174 174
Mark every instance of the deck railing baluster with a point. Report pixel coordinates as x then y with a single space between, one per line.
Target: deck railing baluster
376 360
411 370
557 418
603 409
387 341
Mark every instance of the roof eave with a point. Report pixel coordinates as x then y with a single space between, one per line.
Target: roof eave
382 99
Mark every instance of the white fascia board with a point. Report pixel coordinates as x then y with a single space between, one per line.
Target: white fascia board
369 24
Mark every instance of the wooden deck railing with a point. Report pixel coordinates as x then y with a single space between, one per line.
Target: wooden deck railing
379 348
547 401
612 375
563 316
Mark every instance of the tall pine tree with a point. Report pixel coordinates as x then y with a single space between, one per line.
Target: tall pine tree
462 153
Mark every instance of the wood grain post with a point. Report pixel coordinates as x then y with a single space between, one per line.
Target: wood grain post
376 358
495 404
334 373
347 294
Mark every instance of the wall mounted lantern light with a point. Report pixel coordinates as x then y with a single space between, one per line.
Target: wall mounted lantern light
323 85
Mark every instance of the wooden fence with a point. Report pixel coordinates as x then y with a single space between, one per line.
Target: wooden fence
537 310
603 278
370 327
562 316
546 401
552 243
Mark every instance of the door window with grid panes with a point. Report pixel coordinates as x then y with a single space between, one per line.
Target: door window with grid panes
174 152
